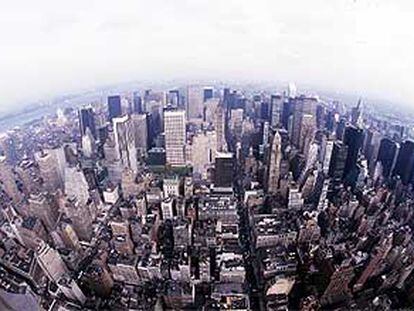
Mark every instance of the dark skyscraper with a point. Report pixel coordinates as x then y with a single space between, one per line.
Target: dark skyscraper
114 107
405 162
387 155
353 138
208 93
224 170
87 120
337 163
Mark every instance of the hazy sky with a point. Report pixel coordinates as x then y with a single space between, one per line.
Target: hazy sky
364 47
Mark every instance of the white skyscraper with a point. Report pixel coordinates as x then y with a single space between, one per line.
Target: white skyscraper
175 136
76 185
274 164
125 142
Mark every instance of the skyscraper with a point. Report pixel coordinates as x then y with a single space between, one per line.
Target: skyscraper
353 139
124 133
387 155
175 136
219 125
49 165
207 93
274 164
114 107
173 98
224 170
9 182
302 106
195 102
405 162
137 103
140 122
276 108
338 159
87 120
51 262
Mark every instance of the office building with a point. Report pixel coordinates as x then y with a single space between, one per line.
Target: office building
114 107
224 170
124 134
175 136
195 102
274 164
87 121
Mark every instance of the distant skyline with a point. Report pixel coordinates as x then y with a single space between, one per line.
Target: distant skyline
360 47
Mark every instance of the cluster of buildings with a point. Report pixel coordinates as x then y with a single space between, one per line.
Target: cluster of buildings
207 198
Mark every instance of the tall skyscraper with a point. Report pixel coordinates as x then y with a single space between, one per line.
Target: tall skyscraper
338 160
274 164
203 152
224 170
87 120
174 98
220 127
137 103
124 132
356 114
51 262
140 122
114 107
207 93
175 136
405 162
49 162
195 102
276 108
353 139
76 184
302 106
43 207
387 155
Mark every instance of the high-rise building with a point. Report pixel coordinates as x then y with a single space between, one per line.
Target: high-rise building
224 170
405 162
8 181
81 217
114 107
175 136
51 165
274 164
203 152
124 133
76 184
88 144
140 122
302 106
174 98
195 102
51 262
137 103
45 208
356 114
338 160
207 93
220 127
87 120
387 156
353 139
276 108
307 132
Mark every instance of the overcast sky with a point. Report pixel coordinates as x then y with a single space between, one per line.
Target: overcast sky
363 47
